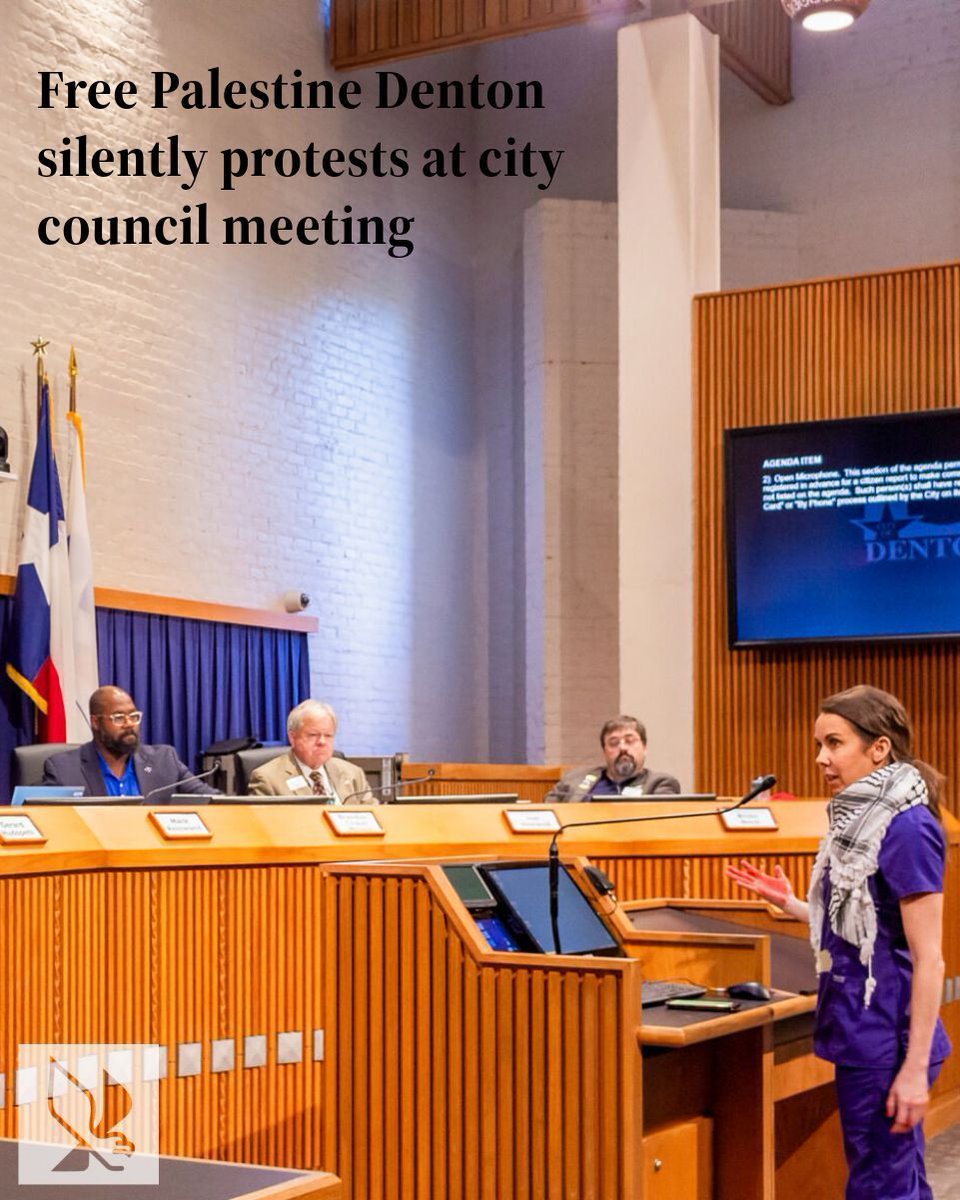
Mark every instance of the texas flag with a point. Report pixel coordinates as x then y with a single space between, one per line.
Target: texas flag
41 660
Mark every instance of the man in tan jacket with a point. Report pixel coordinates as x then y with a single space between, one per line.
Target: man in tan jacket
309 767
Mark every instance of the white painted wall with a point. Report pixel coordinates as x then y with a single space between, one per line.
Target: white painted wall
867 157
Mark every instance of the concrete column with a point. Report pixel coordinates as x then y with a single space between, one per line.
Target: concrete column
669 249
570 476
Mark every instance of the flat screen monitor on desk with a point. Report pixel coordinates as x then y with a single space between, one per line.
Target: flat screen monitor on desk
28 793
45 797
522 891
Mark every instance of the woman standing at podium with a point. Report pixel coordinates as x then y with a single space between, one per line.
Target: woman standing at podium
875 909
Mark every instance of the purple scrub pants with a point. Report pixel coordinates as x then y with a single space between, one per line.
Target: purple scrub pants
882 1165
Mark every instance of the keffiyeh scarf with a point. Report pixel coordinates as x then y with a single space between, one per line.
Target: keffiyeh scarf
859 817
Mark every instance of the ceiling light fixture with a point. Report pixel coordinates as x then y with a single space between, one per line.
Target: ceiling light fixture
825 16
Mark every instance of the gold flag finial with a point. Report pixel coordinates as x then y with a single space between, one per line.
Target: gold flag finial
72 366
39 346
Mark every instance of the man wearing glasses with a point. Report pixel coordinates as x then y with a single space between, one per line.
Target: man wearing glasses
116 762
622 773
311 768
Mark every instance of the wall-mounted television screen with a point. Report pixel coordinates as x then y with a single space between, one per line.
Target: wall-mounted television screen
844 529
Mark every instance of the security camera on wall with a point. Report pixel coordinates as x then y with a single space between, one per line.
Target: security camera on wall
295 601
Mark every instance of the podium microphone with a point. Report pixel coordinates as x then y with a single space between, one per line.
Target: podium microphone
166 787
389 787
553 860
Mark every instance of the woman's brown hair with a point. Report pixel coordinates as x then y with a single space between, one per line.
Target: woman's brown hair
874 713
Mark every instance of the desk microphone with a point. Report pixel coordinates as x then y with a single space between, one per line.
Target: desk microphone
166 787
389 787
759 785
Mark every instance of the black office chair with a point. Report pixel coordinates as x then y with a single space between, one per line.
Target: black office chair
28 761
376 768
245 762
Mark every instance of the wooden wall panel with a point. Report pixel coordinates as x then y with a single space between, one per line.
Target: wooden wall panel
370 31
697 877
754 34
172 957
754 44
463 779
829 348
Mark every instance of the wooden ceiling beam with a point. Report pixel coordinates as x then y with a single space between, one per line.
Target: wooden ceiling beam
754 34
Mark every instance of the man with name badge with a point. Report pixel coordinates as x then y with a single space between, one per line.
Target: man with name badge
116 763
621 775
309 768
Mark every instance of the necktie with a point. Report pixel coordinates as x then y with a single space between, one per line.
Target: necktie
319 786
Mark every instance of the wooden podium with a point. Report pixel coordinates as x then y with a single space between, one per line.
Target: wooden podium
538 1074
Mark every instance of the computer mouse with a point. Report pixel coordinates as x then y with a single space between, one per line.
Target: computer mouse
749 990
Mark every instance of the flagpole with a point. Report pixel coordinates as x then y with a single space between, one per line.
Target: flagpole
80 561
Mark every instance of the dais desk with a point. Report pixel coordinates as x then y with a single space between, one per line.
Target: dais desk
239 954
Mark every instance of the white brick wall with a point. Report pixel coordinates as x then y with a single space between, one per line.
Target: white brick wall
757 247
867 157
258 419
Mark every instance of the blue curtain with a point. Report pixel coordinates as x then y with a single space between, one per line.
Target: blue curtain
197 682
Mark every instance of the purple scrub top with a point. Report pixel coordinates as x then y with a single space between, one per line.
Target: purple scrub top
911 861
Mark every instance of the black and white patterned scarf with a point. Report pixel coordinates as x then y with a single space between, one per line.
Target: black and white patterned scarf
859 817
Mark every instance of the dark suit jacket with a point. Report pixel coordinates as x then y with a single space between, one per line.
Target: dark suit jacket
155 767
575 785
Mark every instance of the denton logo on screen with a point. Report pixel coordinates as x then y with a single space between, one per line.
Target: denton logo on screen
900 536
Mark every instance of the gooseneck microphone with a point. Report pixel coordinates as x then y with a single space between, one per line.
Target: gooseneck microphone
389 787
553 861
167 787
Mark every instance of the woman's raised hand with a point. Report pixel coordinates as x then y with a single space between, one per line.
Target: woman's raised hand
775 888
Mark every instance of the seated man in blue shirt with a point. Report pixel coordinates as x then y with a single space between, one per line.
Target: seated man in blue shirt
622 773
116 763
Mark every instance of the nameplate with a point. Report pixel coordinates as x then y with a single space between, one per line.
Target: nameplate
19 831
532 820
176 826
743 819
359 822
